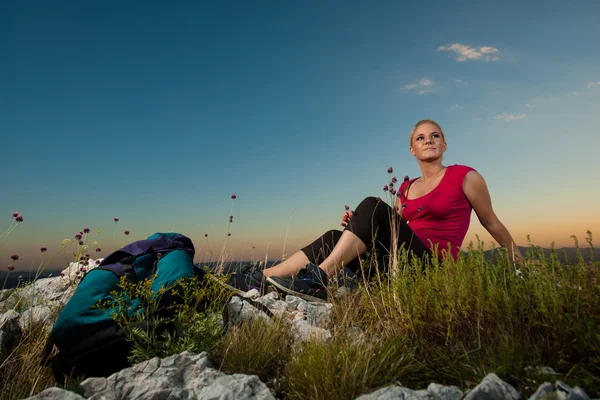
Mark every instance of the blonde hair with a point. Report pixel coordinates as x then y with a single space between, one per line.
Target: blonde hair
426 121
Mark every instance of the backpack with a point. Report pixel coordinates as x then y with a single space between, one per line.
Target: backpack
89 341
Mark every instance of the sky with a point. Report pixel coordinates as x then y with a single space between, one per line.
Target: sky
156 113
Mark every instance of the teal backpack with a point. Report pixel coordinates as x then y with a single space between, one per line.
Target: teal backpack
88 339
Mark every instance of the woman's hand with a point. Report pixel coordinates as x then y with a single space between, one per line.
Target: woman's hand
346 217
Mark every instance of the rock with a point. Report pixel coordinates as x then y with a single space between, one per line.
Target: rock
183 376
541 370
277 307
435 391
492 388
565 392
543 391
57 290
293 302
55 393
302 331
252 294
34 316
393 392
318 314
10 333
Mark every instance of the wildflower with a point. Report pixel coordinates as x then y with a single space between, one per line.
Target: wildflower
85 247
43 249
14 256
97 262
230 219
394 180
66 242
62 274
11 267
86 230
116 219
398 194
82 269
346 207
159 255
87 256
19 218
385 188
126 233
15 214
98 249
233 197
406 178
78 236
95 244
206 235
81 242
20 278
229 234
395 208
390 170
393 191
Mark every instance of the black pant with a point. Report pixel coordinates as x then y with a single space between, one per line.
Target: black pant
372 223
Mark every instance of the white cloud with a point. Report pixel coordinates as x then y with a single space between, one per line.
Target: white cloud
592 84
464 52
529 105
454 108
423 86
574 93
510 117
461 82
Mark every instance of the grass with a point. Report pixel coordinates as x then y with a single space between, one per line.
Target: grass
446 322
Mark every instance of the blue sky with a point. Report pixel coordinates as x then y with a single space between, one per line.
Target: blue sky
157 113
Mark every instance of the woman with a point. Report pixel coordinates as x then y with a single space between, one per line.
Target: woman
432 217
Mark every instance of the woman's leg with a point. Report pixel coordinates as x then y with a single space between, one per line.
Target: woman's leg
371 228
289 267
315 253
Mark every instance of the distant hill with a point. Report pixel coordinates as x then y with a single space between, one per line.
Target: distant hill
565 254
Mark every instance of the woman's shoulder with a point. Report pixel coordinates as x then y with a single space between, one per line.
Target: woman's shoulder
458 172
461 168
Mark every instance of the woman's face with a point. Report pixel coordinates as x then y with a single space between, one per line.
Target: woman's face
427 143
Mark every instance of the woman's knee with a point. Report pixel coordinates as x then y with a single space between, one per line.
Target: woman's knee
368 203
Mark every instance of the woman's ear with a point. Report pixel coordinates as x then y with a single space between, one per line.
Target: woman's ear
412 151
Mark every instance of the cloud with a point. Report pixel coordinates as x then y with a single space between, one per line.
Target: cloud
574 93
453 108
477 119
461 82
592 84
464 52
529 105
510 117
423 86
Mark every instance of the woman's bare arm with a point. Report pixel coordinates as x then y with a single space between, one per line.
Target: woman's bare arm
477 193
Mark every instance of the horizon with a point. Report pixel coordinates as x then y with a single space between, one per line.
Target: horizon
157 114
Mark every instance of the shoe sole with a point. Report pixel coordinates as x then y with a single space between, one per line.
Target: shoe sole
241 292
304 296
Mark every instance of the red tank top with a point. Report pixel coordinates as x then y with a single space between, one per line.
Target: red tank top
442 216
